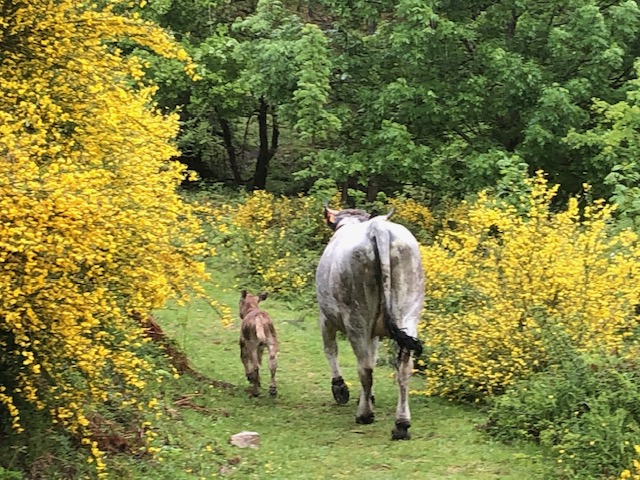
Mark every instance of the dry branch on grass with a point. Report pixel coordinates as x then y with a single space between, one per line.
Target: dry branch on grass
178 359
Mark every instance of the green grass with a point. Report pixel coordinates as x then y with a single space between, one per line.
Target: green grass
303 433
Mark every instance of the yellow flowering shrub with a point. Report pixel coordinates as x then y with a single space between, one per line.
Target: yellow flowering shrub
499 282
278 240
634 472
415 216
273 239
91 227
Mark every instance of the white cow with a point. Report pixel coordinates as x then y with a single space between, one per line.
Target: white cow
370 284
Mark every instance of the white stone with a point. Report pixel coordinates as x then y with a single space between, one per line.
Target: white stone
245 440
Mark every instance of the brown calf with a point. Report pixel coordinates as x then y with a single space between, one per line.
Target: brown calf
257 331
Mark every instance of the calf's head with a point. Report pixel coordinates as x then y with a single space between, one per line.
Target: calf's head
250 302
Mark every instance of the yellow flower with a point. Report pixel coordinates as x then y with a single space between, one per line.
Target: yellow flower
496 277
94 234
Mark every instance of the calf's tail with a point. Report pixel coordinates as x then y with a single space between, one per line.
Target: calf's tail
382 246
262 338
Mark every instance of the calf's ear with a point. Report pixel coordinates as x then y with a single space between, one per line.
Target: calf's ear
263 296
244 294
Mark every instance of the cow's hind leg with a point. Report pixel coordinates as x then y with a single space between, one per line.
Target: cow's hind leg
338 387
403 415
365 355
376 348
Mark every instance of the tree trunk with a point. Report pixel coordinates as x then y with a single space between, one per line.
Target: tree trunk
345 198
227 136
265 153
275 135
373 188
344 193
262 162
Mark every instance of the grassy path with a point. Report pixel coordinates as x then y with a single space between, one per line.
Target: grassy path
304 434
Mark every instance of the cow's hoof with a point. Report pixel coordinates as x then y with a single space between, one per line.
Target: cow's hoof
273 392
365 419
401 431
340 390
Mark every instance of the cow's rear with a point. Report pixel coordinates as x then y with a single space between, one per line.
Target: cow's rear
370 284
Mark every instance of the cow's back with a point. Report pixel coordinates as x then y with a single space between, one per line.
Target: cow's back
348 278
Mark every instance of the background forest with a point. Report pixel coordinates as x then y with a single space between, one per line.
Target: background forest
157 156
450 97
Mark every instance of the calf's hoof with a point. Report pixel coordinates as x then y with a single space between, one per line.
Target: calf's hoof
273 392
401 431
365 419
340 390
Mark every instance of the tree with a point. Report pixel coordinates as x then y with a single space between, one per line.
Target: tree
265 64
287 68
615 143
444 95
92 230
448 94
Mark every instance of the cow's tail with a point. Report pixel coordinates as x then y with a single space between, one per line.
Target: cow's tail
382 245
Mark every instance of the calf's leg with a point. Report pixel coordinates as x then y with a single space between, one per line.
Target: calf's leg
273 365
249 355
245 356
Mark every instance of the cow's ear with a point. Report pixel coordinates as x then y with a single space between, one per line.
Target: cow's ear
263 296
375 213
330 217
244 294
390 214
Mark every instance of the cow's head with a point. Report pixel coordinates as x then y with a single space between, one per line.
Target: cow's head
337 218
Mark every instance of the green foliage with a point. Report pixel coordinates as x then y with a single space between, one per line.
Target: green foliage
312 121
625 193
615 143
586 410
288 63
203 26
381 94
249 55
472 84
10 474
273 241
390 151
513 180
